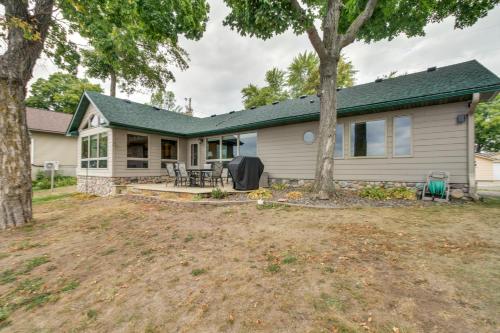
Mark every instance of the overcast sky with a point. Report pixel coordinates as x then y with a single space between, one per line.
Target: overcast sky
223 62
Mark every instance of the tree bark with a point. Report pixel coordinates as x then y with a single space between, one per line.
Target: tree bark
112 86
15 166
324 181
16 69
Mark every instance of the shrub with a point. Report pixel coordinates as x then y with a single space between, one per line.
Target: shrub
42 181
279 186
402 193
217 193
374 192
380 193
295 195
261 193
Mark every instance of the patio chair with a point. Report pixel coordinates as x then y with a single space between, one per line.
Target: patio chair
216 174
225 175
183 175
172 175
437 186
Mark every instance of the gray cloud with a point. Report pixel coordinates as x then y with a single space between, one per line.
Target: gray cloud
223 62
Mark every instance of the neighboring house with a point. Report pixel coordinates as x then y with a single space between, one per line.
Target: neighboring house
488 167
49 141
389 131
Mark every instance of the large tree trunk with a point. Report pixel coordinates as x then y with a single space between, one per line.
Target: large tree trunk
15 166
16 69
112 85
324 181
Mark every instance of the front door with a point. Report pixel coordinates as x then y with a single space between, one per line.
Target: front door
193 155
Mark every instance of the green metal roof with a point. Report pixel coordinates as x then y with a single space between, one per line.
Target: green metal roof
443 85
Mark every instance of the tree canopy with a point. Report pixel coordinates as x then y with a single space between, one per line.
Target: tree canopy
165 100
60 92
301 78
134 43
487 120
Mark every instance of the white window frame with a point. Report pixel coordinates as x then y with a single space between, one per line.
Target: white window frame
366 121
343 143
168 160
394 135
138 158
98 158
220 159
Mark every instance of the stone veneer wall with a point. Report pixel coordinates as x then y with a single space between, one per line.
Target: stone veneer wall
357 185
104 186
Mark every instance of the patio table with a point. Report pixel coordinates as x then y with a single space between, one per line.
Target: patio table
201 175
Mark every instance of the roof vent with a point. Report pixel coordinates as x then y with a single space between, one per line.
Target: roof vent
253 107
339 89
127 101
231 112
318 94
275 102
156 108
212 115
432 69
311 101
379 80
303 96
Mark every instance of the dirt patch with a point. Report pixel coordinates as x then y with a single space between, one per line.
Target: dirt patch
107 264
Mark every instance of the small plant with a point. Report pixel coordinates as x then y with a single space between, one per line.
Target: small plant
402 193
197 197
279 186
289 259
261 193
4 315
91 314
35 262
374 192
72 285
30 285
42 181
188 238
198 271
273 268
217 193
7 276
295 195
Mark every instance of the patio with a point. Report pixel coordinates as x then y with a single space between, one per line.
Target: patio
181 189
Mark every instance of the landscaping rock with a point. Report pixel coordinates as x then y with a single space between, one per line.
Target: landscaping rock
457 193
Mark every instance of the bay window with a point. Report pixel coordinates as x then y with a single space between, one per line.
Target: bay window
94 151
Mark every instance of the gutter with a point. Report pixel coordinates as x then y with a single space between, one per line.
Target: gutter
471 138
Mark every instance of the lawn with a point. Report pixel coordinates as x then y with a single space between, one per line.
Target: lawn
106 264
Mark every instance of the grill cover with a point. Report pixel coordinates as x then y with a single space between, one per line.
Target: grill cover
246 172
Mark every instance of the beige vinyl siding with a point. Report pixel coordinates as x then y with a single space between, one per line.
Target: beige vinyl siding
54 147
484 169
154 154
439 143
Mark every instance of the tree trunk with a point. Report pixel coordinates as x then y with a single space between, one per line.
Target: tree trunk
324 182
15 165
112 86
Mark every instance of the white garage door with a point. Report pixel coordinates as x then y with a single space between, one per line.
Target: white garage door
496 171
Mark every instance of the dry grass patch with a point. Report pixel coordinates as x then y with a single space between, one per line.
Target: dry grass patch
106 264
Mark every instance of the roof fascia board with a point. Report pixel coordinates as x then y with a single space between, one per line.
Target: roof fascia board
144 130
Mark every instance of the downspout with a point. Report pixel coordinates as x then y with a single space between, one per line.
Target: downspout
471 139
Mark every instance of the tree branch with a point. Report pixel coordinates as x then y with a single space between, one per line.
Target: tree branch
312 32
356 25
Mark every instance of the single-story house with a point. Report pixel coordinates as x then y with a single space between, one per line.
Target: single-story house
392 131
488 167
49 141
